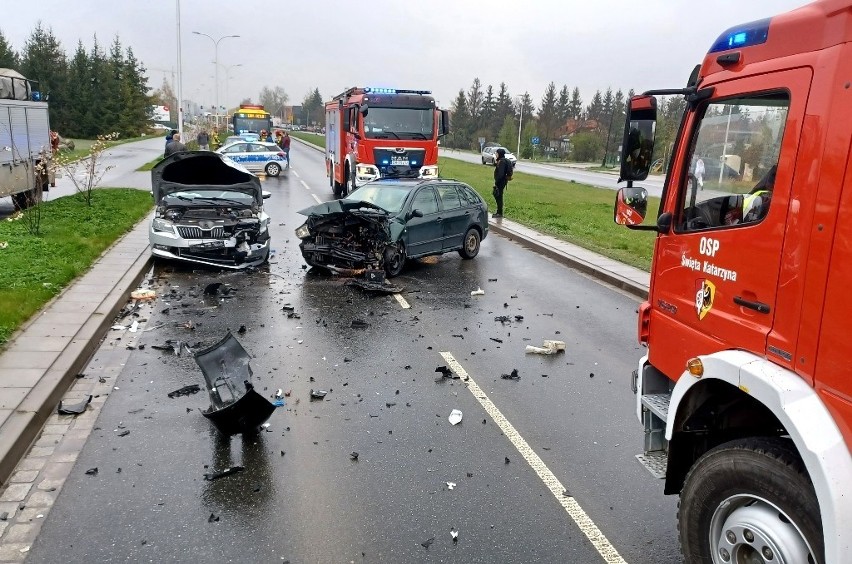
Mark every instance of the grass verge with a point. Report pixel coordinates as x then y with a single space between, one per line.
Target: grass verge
314 138
572 212
33 269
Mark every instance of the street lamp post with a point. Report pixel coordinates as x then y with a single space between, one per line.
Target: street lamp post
228 78
216 62
520 126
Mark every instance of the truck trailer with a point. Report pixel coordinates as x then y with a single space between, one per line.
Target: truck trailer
743 391
373 133
25 149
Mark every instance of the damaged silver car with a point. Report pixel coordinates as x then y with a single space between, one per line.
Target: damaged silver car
209 211
383 223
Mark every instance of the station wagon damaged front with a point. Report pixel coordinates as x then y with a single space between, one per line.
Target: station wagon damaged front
209 211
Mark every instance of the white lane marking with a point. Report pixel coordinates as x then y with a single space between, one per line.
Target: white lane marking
583 521
296 173
305 185
402 302
316 198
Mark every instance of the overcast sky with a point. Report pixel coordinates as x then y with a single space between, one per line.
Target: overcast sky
437 45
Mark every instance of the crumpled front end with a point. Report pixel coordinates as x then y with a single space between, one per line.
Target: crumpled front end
220 237
347 240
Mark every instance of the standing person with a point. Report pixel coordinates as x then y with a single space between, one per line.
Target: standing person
699 173
203 140
285 146
279 139
169 136
215 139
175 146
502 175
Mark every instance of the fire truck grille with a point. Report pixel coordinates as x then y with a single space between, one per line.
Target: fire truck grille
389 157
198 233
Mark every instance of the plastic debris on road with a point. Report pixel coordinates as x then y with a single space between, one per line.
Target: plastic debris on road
513 376
455 417
447 373
451 485
549 347
359 324
427 543
143 295
478 292
318 394
133 326
74 409
455 534
185 391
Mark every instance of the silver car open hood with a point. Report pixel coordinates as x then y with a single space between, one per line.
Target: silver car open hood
193 170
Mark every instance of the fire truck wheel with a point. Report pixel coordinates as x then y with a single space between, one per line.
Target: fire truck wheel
470 244
750 500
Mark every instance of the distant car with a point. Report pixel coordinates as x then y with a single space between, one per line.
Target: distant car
489 156
258 156
385 222
160 126
209 211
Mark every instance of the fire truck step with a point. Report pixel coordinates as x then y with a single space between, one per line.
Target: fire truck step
658 404
654 462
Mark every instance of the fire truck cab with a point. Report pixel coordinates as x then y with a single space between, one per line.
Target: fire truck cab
371 133
743 393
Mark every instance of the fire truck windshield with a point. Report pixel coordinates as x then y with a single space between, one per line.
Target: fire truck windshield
399 123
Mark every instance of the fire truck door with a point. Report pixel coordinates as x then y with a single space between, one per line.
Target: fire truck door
716 271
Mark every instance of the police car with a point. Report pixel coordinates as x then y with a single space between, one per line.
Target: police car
257 156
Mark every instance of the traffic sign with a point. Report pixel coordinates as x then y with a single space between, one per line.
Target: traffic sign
535 140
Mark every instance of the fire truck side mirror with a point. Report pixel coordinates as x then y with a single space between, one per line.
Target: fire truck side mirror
631 205
445 122
638 142
364 110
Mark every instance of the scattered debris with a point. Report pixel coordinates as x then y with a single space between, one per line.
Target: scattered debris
549 347
455 534
318 394
143 295
451 485
213 518
353 456
185 391
242 330
496 340
4 516
134 326
293 315
428 542
507 460
513 376
359 324
212 289
478 292
447 373
224 473
92 471
503 319
74 409
455 417
519 318
124 433
492 280
172 346
383 287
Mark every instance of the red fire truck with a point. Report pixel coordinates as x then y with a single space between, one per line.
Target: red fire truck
743 393
371 133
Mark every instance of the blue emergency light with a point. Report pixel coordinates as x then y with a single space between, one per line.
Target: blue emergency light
745 35
374 90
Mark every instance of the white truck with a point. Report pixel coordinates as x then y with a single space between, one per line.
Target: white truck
25 148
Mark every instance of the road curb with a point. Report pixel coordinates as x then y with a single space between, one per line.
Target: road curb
22 427
611 278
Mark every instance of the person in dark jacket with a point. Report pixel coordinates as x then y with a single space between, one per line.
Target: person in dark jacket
203 140
502 169
175 146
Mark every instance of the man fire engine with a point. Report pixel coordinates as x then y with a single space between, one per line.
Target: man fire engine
376 132
744 392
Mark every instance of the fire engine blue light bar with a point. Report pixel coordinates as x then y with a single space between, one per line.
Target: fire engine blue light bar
373 90
745 35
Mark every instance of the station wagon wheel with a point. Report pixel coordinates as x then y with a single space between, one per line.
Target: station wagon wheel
394 259
470 244
273 169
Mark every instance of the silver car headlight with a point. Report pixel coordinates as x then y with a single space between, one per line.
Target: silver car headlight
303 232
163 226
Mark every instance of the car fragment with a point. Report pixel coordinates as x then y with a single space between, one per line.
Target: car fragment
74 409
235 406
548 348
455 417
209 211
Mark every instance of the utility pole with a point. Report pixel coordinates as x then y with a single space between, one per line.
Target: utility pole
520 127
180 77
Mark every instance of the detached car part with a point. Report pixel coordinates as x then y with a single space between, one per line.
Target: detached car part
235 406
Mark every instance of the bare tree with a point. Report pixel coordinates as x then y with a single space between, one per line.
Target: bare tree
86 173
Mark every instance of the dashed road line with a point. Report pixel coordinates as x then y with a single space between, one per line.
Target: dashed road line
583 521
317 198
305 185
294 172
402 301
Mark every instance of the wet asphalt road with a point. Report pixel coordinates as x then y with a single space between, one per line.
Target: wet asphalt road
301 497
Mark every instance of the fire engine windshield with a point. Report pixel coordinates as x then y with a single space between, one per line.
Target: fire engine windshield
399 123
